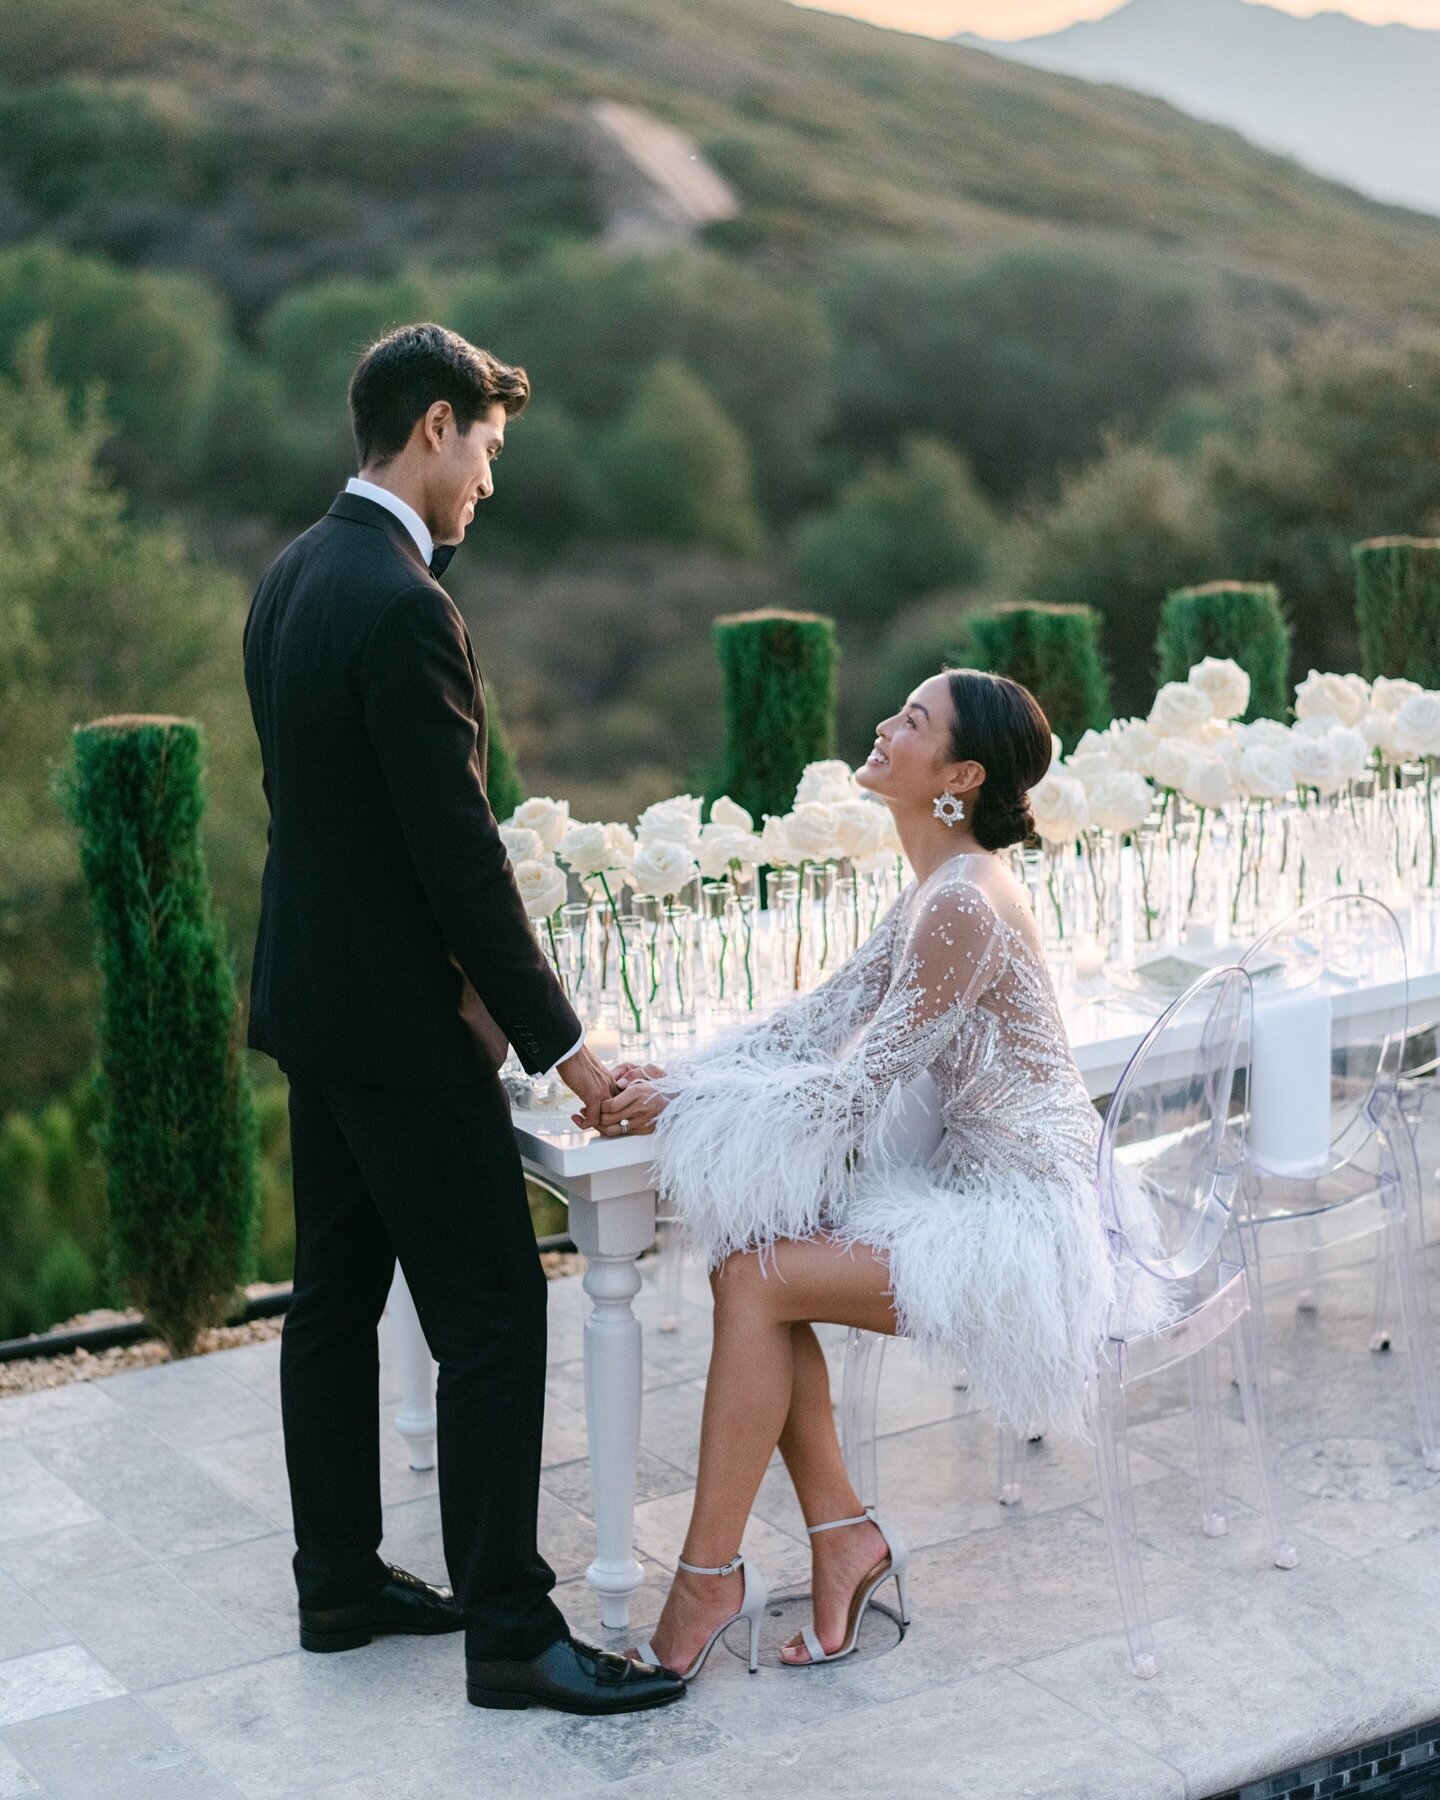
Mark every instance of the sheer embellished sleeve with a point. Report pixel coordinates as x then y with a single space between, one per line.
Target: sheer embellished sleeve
800 1105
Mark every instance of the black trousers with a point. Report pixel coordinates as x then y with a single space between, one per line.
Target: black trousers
433 1177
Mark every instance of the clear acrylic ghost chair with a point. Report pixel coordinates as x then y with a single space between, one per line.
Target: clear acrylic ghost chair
1169 1176
1330 1155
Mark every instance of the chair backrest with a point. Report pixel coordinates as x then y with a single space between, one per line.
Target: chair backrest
1348 953
1172 1144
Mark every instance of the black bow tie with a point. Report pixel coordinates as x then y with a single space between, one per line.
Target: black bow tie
440 559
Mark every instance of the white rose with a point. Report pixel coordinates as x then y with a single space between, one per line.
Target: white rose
1170 761
1351 751
730 813
810 831
722 845
661 867
548 819
775 845
1093 758
1132 744
1180 710
1224 683
592 850
1388 693
1120 802
827 782
1057 749
1313 762
1317 725
522 845
1269 732
1060 807
677 819
1266 772
1342 697
542 886
861 828
1417 726
1207 781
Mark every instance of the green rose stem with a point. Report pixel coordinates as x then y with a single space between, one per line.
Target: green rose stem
799 920
1240 879
679 957
554 948
1430 814
624 959
749 960
1195 866
1137 842
824 933
1054 897
855 902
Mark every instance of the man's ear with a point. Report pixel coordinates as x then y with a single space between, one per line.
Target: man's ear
439 418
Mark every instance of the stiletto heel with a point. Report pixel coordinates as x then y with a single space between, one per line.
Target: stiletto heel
895 1563
752 1610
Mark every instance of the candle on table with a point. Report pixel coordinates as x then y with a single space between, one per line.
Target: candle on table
603 1042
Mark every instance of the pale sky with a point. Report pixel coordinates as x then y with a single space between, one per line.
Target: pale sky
1027 18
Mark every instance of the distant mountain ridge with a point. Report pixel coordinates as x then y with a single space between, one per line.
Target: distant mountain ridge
1353 101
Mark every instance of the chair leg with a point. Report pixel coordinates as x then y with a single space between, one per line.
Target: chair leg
1112 1467
1204 1372
1406 1233
1008 1448
1249 1352
1381 1334
672 1273
859 1399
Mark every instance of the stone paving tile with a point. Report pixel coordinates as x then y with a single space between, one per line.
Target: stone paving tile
117 1749
55 1409
485 1771
252 1467
565 1436
191 1402
15 1783
962 1741
655 1477
71 1554
26 1625
250 1586
155 1494
147 1627
295 1723
669 1738
32 1499
52 1681
1329 1658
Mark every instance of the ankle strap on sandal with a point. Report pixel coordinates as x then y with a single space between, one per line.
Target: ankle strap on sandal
866 1518
736 1562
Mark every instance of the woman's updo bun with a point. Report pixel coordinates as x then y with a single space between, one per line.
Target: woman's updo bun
1001 726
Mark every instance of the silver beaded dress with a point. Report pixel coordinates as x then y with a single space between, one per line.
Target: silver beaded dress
815 1120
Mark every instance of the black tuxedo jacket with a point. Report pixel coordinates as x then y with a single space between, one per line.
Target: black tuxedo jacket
392 940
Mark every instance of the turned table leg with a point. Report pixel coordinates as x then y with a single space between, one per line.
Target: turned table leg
612 1231
415 1367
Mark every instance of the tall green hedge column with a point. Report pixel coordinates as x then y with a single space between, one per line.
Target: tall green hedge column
1055 652
1397 607
779 670
178 1136
1239 619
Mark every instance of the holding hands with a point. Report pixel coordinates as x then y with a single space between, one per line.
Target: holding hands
635 1105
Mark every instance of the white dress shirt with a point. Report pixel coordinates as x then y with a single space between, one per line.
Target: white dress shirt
425 544
403 511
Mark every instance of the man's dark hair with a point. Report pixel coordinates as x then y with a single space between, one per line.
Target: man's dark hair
403 374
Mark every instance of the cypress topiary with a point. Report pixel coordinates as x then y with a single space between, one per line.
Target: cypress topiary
1055 652
503 785
178 1137
1239 619
1397 607
779 679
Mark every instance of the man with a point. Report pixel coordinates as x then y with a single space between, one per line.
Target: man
394 959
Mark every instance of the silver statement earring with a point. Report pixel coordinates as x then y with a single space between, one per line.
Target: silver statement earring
950 808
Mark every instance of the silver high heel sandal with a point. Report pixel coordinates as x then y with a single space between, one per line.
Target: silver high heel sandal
752 1607
894 1565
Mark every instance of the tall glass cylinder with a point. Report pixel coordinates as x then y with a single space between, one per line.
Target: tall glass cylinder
719 952
817 900
676 1012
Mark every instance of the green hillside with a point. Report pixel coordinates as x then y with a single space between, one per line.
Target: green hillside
268 142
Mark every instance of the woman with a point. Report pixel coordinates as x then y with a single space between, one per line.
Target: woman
796 1154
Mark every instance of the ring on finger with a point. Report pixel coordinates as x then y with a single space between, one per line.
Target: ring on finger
624 1128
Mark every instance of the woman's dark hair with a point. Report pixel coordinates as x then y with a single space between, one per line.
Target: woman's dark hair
403 374
1000 725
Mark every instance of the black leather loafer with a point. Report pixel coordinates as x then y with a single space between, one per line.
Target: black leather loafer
404 1604
572 1677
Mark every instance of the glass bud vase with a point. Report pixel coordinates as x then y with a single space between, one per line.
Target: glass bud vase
676 1009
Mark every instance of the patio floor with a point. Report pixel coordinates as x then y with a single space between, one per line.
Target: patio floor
147 1631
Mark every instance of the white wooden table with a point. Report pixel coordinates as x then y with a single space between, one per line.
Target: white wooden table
608 1182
